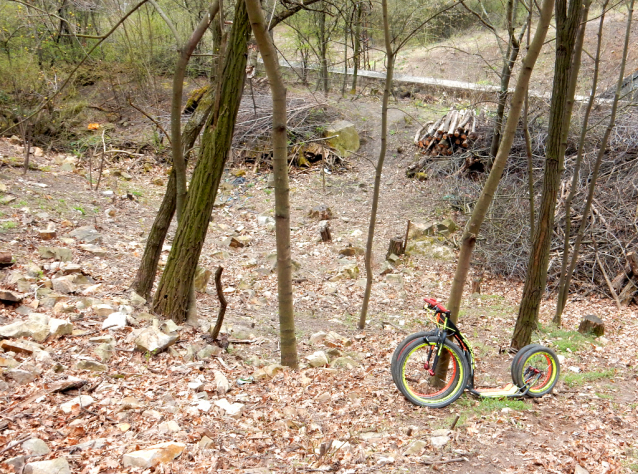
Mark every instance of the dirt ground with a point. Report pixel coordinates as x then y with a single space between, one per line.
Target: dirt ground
314 419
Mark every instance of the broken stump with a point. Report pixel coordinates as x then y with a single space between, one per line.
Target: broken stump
591 324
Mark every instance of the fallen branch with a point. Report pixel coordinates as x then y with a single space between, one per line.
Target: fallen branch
432 463
222 302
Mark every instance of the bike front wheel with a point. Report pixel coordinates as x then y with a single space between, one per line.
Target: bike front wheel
394 365
539 369
421 388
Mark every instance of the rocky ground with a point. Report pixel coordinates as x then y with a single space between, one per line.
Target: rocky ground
87 386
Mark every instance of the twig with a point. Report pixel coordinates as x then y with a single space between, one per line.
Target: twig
432 463
222 302
99 176
155 121
13 444
456 420
394 326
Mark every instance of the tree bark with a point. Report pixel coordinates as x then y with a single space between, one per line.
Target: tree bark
282 191
480 210
356 47
567 22
379 168
145 276
171 298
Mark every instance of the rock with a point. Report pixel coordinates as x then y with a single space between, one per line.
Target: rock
137 300
35 447
20 346
54 466
36 327
386 267
322 213
169 427
591 324
344 363
209 351
153 340
92 365
395 279
419 230
202 275
169 326
157 181
441 432
58 253
222 383
439 441
350 271
15 140
580 470
98 443
60 327
205 442
49 233
154 455
94 249
415 448
11 296
273 369
21 376
86 234
446 227
430 248
270 181
115 321
204 405
233 242
104 310
234 410
318 359
17 463
7 199
343 136
266 221
318 337
76 403
334 339
8 362
104 351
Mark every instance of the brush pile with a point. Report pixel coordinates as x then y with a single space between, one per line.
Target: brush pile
455 131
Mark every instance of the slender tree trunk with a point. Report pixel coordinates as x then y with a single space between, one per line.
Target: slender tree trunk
172 296
480 210
356 47
323 48
565 278
599 157
280 169
379 168
567 22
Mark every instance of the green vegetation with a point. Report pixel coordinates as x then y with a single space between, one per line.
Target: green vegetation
8 225
564 340
575 379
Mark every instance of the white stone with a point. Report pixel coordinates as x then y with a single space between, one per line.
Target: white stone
60 327
318 337
115 321
233 410
204 405
55 466
35 447
153 340
169 427
439 441
103 310
580 470
415 448
318 359
222 383
154 455
82 400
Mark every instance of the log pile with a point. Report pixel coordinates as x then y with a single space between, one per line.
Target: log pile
625 284
456 130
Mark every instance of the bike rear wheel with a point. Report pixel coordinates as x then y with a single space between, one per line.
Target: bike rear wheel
539 368
394 365
421 388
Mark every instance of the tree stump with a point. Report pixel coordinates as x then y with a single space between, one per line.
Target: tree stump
626 296
476 285
591 324
6 259
324 231
396 247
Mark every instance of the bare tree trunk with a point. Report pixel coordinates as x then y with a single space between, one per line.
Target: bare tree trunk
323 48
356 47
172 296
280 169
565 278
379 168
567 22
480 210
601 153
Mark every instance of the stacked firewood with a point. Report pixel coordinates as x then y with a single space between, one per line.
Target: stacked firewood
454 131
625 285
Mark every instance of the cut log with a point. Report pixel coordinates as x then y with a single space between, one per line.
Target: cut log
395 247
453 121
324 231
591 324
6 259
476 285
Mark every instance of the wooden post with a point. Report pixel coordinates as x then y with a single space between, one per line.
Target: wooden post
324 230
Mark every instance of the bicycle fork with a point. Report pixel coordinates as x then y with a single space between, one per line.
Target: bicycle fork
430 369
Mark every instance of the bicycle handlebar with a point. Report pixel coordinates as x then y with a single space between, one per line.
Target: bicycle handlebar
435 305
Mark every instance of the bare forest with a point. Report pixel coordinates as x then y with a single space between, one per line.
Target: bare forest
318 236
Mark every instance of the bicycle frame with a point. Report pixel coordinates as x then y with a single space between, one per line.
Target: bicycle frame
447 329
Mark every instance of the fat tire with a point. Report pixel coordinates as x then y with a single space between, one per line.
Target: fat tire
446 397
518 357
399 350
552 377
